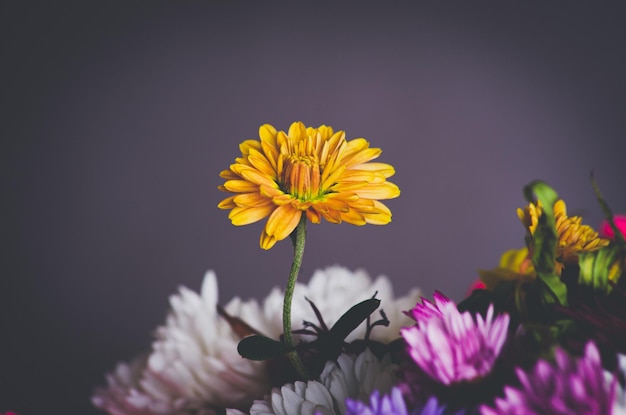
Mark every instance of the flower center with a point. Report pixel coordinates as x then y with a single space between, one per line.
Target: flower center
301 177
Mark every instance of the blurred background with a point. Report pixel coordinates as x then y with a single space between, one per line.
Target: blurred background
116 121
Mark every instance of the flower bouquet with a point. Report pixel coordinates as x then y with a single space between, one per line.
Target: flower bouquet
544 332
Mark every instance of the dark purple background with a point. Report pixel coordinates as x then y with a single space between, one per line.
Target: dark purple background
117 120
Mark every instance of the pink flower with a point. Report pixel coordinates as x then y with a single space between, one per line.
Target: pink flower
452 347
607 232
423 312
570 386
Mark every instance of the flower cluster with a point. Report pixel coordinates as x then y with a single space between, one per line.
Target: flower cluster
567 387
193 364
543 332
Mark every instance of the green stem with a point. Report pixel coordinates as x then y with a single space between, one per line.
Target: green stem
298 251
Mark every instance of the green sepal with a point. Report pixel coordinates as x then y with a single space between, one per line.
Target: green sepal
595 268
257 347
353 318
553 290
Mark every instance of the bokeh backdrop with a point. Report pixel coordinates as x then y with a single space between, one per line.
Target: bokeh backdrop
117 118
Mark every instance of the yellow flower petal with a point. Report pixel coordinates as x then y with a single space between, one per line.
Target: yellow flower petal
267 134
332 216
267 241
227 203
257 177
330 177
332 204
313 216
240 186
377 218
386 170
251 200
244 215
270 192
261 163
297 130
353 217
282 199
358 176
247 145
386 190
362 156
282 221
229 175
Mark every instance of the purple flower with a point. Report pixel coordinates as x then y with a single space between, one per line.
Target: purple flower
425 311
572 386
454 347
392 404
433 407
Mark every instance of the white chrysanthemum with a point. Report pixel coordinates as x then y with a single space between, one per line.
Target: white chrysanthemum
354 377
334 290
194 361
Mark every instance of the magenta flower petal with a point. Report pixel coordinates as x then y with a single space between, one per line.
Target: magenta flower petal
425 311
452 347
476 285
568 386
607 232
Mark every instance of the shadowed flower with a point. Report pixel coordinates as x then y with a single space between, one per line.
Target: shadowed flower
515 265
571 386
456 347
354 377
600 316
194 362
311 170
573 236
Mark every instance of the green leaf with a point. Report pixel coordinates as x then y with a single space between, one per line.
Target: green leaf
608 213
595 268
353 318
259 347
545 243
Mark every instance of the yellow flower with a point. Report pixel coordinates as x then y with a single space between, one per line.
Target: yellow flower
515 265
573 236
311 170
